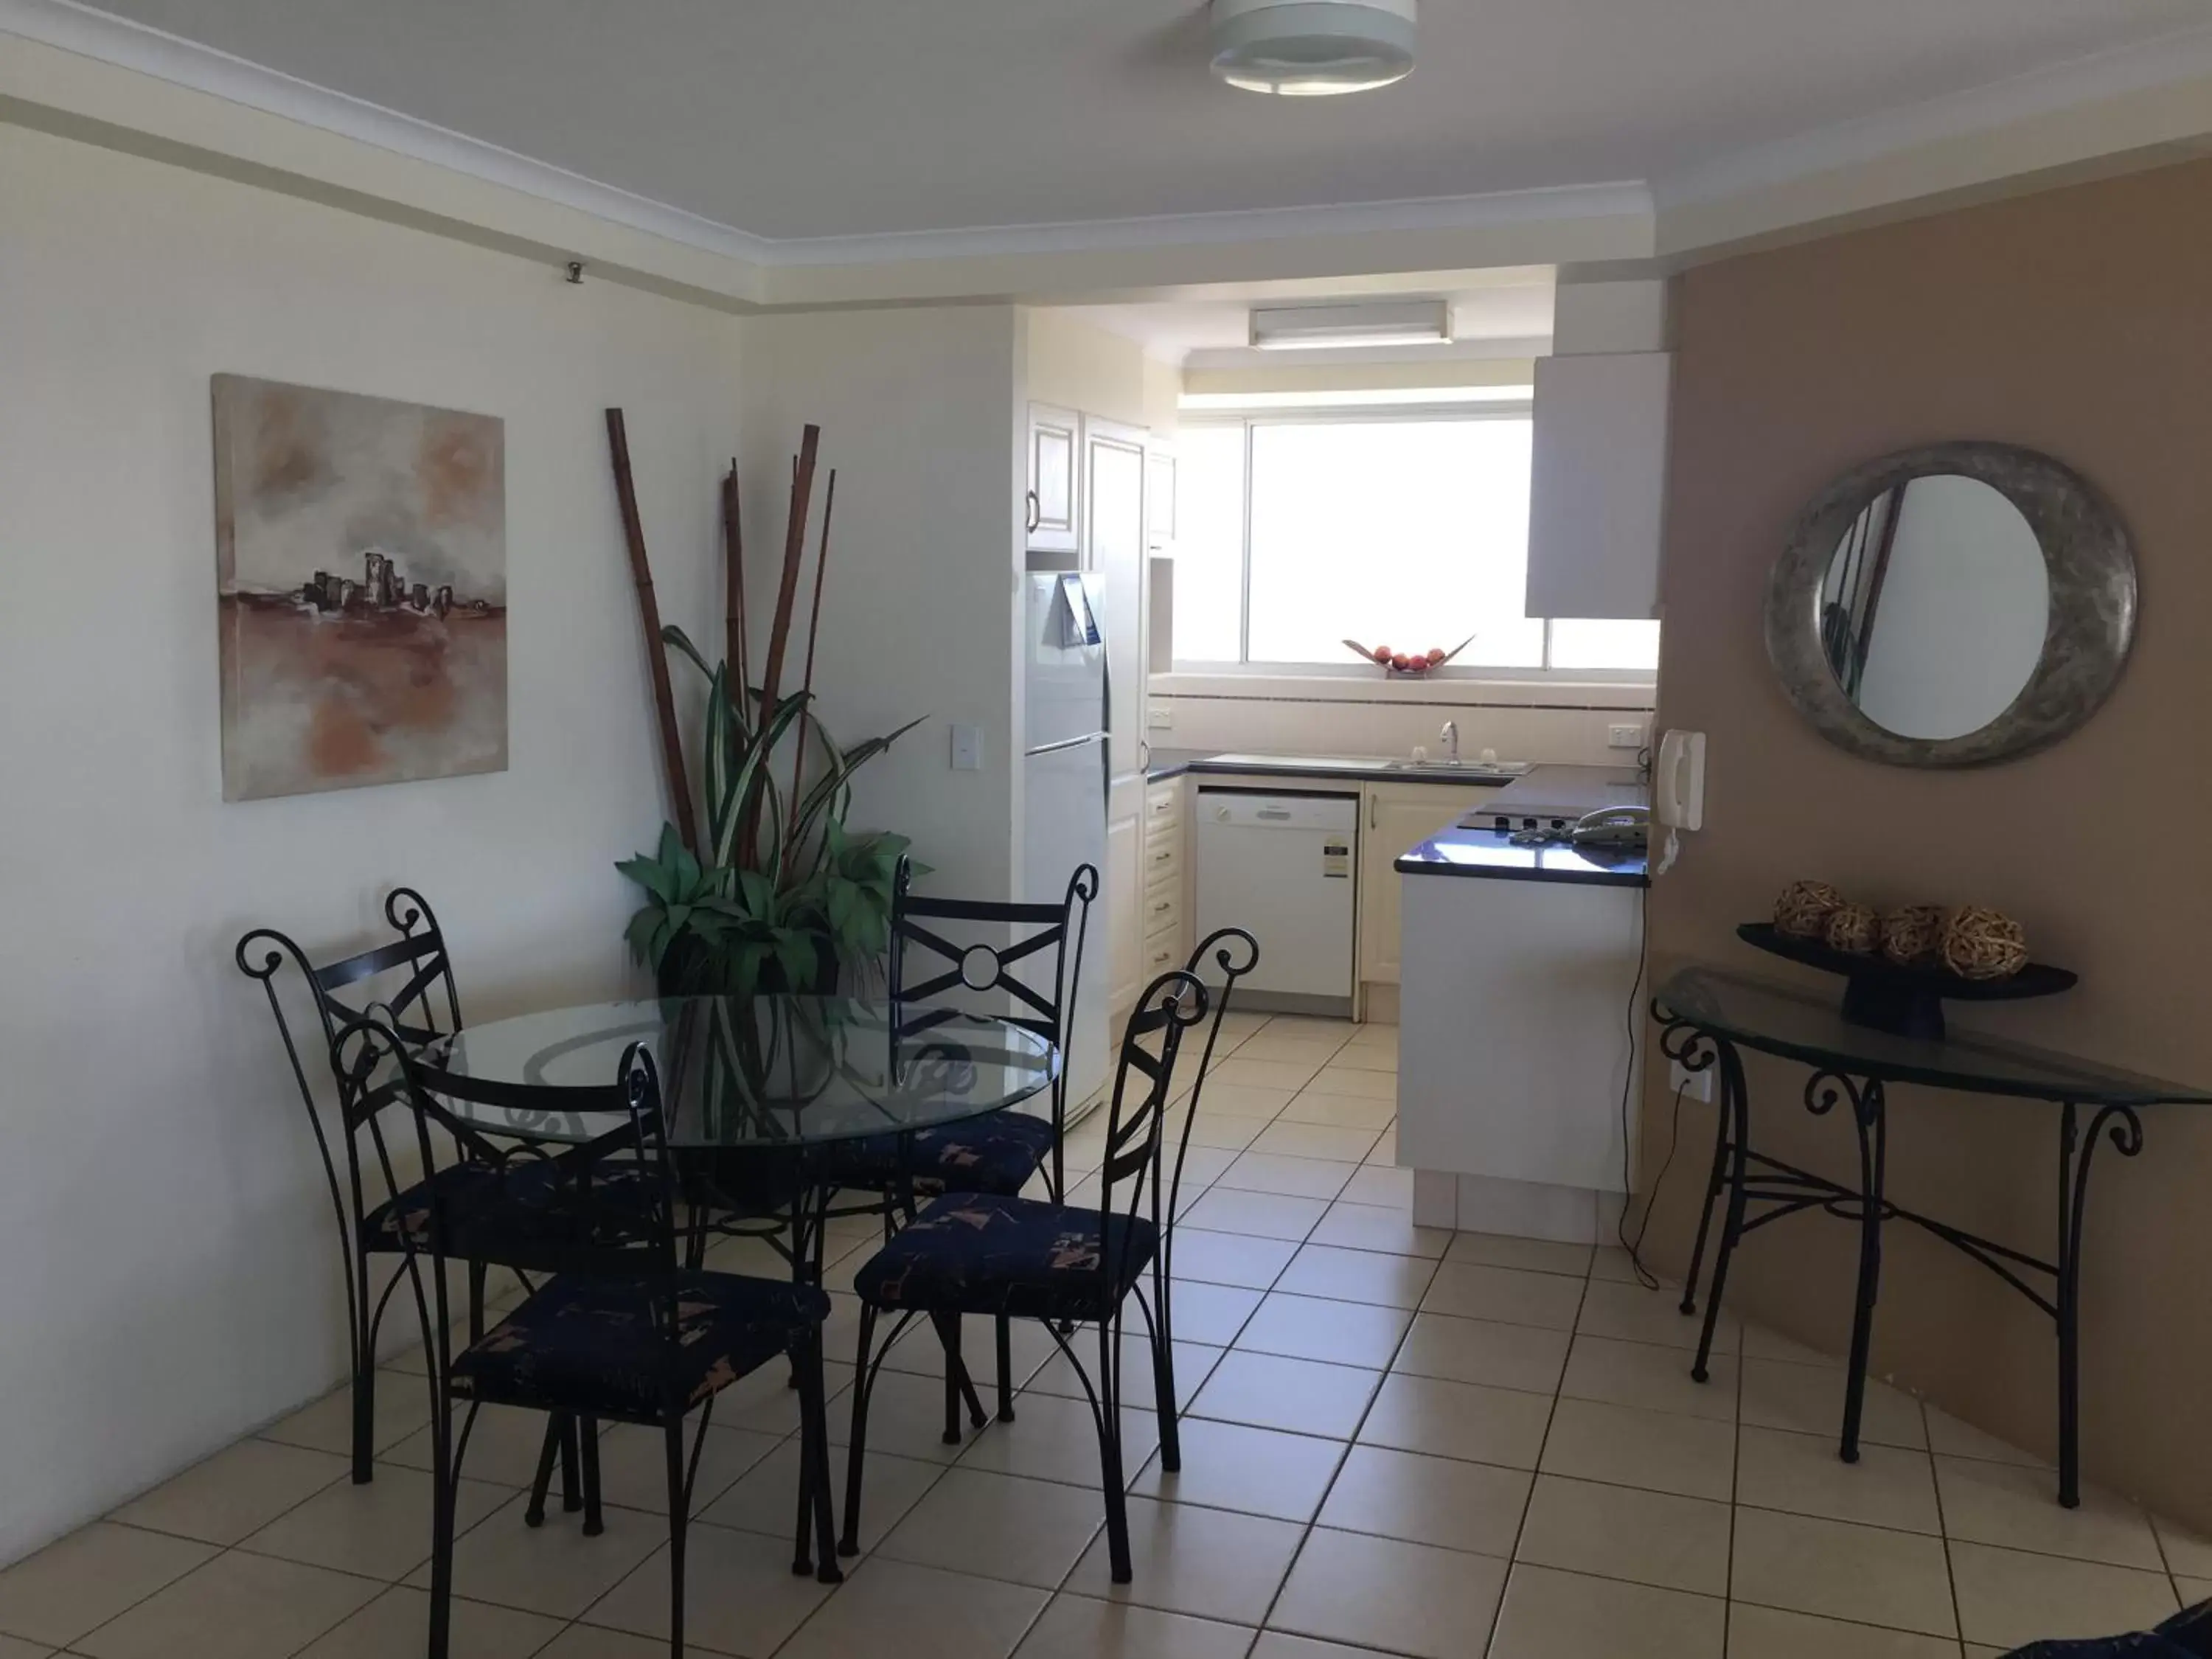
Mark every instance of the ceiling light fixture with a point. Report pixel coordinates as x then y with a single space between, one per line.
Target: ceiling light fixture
1312 48
1372 323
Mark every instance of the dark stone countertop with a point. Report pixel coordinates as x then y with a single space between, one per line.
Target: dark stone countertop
1345 768
1488 853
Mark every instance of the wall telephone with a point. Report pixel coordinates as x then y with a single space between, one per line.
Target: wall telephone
1678 780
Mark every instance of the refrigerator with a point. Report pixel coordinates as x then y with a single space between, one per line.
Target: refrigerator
1064 782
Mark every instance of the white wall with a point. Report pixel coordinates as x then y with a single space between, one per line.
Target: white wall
917 408
167 1269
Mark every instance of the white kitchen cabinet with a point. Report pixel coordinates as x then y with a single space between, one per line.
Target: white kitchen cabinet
1396 818
1159 498
1114 547
1597 484
1123 903
1053 506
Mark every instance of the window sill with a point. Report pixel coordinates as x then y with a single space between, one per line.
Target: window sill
1559 689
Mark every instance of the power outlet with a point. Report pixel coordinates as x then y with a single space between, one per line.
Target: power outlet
967 748
1627 735
1695 1085
1159 717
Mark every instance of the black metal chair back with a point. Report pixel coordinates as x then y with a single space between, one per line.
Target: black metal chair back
1233 953
410 982
1024 968
558 1225
1135 1137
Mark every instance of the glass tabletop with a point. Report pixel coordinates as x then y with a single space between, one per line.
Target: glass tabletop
762 1071
1779 1020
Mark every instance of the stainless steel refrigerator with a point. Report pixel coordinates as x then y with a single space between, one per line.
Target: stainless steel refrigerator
1064 781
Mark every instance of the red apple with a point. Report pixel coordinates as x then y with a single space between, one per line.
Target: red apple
1401 662
1381 654
1436 655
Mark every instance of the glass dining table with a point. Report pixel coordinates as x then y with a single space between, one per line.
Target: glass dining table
755 1089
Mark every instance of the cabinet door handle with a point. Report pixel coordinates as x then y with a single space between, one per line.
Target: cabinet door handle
1034 515
1371 805
1164 855
1159 905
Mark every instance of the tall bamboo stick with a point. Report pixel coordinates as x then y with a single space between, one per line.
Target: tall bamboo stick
779 637
813 632
733 593
656 656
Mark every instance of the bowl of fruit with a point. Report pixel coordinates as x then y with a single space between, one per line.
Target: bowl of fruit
1409 665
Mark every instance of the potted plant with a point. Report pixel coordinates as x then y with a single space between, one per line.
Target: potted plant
780 894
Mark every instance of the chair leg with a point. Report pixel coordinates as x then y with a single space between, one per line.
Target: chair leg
1006 1369
444 1485
572 1455
678 1521
956 1373
533 1513
1164 1403
587 1434
364 1412
864 1383
1112 1477
477 1275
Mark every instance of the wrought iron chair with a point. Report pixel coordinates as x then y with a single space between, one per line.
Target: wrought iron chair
1229 953
1008 1257
1002 1153
366 1226
619 1331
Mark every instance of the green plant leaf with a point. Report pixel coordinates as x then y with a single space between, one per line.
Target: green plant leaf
640 932
796 956
671 634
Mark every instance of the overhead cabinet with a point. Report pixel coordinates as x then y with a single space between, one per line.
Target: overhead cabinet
1055 500
1598 484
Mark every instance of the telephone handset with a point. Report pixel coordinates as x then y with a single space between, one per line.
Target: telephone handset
1678 780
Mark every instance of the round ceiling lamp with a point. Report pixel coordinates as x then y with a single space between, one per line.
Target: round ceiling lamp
1312 48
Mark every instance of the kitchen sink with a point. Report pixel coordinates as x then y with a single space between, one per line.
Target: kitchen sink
1476 772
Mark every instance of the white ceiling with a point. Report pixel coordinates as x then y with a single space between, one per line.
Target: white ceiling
800 119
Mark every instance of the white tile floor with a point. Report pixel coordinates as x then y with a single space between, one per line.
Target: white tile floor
1398 1441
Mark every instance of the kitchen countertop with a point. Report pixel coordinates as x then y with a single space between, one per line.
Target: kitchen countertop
1491 854
1351 768
1569 792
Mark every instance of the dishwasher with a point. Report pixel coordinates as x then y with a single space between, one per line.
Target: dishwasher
1279 864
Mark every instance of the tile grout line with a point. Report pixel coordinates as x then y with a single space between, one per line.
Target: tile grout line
1537 1473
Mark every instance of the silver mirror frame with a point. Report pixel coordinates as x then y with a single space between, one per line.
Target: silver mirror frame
2092 604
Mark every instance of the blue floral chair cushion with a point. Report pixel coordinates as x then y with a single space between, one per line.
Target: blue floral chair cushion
995 1154
2187 1635
593 1345
482 1194
988 1253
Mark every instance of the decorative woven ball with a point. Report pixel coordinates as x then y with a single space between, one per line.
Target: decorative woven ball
1804 908
1853 928
1912 937
1979 942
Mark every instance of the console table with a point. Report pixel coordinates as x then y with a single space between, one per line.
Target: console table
1708 1016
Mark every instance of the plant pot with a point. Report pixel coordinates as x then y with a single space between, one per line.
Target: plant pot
690 969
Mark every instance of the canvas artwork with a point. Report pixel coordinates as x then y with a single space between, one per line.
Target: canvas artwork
361 550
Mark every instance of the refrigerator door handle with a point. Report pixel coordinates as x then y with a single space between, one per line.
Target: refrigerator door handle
1064 743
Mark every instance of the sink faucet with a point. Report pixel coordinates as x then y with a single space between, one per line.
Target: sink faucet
1450 737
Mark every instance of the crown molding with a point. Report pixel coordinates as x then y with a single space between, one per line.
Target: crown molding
106 38
2102 77
1431 213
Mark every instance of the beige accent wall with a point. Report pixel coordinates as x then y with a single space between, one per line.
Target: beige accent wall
2078 322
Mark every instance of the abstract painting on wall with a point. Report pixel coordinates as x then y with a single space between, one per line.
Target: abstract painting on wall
361 556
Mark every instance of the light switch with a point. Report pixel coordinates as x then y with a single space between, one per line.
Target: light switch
1159 717
967 748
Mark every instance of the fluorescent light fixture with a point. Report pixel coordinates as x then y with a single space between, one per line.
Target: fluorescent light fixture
1409 397
1312 48
1368 323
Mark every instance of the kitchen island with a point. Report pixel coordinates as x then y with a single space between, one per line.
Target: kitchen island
1519 1049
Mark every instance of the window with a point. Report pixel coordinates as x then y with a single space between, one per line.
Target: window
1405 531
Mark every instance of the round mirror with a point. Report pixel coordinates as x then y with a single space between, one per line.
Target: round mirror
1952 606
1935 606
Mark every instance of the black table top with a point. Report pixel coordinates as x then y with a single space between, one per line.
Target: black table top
764 1070
1779 1019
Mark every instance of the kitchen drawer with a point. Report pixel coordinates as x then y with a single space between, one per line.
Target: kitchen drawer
1163 805
1163 856
1162 910
1162 952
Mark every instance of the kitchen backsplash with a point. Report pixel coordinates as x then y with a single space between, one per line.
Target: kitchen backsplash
1516 731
